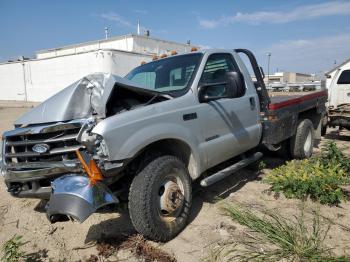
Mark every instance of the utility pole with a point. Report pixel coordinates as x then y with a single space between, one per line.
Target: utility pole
268 68
25 83
138 27
106 32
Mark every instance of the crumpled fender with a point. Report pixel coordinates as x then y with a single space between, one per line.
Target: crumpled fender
74 196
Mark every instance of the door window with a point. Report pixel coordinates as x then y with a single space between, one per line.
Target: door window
344 78
215 73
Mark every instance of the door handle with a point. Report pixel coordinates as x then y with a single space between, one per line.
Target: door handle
252 103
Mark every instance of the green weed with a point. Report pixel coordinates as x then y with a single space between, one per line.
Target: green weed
12 249
319 178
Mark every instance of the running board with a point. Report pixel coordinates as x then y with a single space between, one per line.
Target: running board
231 169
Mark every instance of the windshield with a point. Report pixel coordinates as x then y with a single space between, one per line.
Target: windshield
166 75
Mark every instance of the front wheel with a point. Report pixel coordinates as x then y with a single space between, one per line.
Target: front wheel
302 143
160 199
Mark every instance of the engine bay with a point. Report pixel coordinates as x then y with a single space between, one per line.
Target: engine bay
124 98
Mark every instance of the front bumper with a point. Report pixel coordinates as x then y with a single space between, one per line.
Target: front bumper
35 181
29 173
76 197
340 116
343 121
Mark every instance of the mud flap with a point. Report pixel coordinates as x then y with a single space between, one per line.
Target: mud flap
74 196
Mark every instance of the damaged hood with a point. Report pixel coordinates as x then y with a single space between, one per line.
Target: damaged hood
81 99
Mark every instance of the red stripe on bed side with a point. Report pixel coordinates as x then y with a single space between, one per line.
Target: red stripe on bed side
297 100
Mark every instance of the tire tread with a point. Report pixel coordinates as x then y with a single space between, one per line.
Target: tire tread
298 140
140 197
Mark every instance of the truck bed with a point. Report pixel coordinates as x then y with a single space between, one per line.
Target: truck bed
281 99
285 110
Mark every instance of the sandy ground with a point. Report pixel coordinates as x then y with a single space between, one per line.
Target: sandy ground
68 241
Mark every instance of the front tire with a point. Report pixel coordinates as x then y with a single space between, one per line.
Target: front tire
160 199
302 143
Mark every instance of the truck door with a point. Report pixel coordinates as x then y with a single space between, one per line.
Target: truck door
342 88
230 126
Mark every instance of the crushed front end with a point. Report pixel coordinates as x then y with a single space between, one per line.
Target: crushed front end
34 156
56 162
40 157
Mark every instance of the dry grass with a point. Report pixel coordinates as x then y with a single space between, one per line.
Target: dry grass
271 237
136 244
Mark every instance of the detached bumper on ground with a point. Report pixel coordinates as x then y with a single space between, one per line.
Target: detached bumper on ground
76 197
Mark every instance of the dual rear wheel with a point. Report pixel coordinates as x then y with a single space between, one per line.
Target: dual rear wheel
301 145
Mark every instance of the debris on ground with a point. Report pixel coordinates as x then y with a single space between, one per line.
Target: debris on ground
136 244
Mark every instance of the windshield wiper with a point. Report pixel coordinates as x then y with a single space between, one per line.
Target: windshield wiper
152 99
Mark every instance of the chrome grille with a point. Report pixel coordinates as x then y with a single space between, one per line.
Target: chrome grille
62 146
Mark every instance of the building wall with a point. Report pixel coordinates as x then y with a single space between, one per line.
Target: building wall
303 77
122 43
292 77
11 82
274 79
130 43
43 78
158 47
287 77
54 69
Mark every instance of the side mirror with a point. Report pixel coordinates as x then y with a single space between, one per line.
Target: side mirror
233 86
207 92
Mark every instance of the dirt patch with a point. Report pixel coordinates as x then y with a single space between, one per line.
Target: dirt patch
136 244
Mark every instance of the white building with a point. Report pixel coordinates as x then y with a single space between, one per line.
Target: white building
53 69
288 77
291 81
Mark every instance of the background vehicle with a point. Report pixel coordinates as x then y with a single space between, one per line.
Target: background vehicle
147 136
339 98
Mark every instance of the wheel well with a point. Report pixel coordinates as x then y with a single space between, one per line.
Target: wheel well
174 147
313 115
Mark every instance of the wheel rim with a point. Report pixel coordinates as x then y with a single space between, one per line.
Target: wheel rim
308 142
171 198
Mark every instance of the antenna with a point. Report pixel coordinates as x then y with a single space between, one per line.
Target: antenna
106 32
138 27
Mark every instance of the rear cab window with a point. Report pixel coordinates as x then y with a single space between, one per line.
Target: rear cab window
344 78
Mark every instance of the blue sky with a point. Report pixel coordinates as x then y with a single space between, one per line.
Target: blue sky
302 35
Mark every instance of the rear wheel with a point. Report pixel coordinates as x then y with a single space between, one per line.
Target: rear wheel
324 125
284 151
160 199
302 143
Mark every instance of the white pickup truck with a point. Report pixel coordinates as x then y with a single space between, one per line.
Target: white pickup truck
339 98
150 134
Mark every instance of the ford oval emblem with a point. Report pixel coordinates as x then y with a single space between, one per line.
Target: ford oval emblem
41 148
